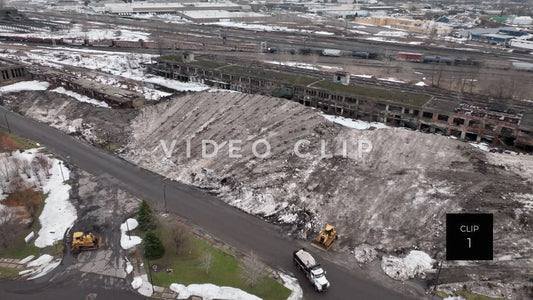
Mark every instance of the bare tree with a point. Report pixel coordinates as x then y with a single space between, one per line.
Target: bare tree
181 237
252 269
206 262
8 226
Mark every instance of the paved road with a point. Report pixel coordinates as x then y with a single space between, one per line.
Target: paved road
231 225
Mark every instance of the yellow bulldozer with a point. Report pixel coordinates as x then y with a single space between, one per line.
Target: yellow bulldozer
326 237
85 241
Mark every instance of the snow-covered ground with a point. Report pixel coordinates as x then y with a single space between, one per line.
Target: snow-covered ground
79 97
292 284
81 31
124 71
129 241
356 124
302 65
210 291
40 266
391 79
416 263
33 85
58 213
392 33
385 39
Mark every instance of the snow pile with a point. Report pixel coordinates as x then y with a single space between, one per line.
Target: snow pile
27 259
416 263
292 284
365 253
481 146
41 266
355 124
391 79
79 97
364 76
141 284
392 33
454 298
129 267
420 83
58 213
129 241
210 291
137 282
33 85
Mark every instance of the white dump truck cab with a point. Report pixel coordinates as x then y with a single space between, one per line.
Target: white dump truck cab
318 278
312 270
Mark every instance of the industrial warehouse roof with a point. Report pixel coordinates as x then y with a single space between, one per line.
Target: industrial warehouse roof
139 7
220 14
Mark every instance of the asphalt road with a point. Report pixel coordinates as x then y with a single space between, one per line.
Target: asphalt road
241 230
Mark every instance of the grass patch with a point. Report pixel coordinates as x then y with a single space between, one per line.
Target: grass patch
224 269
473 296
388 95
11 142
441 294
18 247
6 273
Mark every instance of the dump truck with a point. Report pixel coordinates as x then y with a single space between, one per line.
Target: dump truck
84 242
312 270
326 237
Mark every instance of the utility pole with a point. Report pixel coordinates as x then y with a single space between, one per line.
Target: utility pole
128 227
61 169
165 195
150 272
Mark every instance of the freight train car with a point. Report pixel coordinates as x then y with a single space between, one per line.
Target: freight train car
410 56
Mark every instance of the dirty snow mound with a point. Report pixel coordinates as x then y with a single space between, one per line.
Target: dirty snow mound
406 181
415 264
365 253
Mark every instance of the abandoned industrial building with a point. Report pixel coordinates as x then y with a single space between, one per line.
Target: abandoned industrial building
12 72
508 124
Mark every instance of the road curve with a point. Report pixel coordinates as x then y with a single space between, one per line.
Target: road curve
224 222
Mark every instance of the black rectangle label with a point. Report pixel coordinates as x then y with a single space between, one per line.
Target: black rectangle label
469 236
